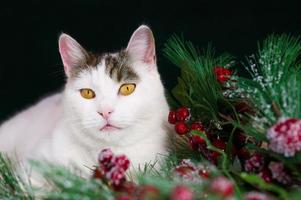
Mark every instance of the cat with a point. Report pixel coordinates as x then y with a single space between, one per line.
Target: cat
110 100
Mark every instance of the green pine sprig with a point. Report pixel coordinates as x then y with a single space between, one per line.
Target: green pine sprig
12 185
197 86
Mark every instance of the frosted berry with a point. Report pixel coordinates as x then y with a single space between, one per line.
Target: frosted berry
285 137
105 156
181 128
279 173
185 167
181 193
255 163
116 176
182 114
222 186
257 196
121 161
172 117
222 74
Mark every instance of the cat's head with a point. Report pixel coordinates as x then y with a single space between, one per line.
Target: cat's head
113 92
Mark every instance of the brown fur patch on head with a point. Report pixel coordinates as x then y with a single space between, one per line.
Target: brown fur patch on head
91 60
118 67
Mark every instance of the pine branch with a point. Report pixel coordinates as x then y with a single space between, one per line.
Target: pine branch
197 86
11 184
70 186
275 80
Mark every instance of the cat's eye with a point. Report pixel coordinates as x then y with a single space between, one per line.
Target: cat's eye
87 93
127 89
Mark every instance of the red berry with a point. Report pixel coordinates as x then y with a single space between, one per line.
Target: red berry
204 173
222 74
243 154
266 175
182 114
181 193
197 126
181 128
197 140
172 117
222 186
121 161
219 144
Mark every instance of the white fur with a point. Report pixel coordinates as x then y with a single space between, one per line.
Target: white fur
65 127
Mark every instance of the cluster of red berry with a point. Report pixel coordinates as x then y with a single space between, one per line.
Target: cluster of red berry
268 171
111 168
180 118
196 173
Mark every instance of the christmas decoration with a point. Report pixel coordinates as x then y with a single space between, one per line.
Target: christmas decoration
279 173
111 168
236 135
285 136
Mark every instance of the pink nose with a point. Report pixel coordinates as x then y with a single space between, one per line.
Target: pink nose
105 113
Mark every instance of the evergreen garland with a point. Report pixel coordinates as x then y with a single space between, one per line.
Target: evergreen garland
241 139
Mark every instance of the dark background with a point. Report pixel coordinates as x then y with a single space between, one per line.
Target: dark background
31 68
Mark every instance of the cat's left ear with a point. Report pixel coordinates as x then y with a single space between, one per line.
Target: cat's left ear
72 53
141 46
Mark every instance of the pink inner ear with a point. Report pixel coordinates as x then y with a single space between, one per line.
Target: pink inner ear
64 54
150 55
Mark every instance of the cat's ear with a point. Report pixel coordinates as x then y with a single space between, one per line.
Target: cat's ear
141 46
72 53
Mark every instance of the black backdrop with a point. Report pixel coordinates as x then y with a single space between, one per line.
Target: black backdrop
30 66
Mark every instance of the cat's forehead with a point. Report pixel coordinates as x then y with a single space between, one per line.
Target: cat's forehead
118 66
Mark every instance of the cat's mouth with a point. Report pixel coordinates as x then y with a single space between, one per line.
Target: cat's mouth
109 127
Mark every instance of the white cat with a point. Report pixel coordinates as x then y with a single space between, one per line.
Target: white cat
112 100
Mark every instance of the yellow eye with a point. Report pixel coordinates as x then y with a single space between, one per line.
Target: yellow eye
127 89
87 93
